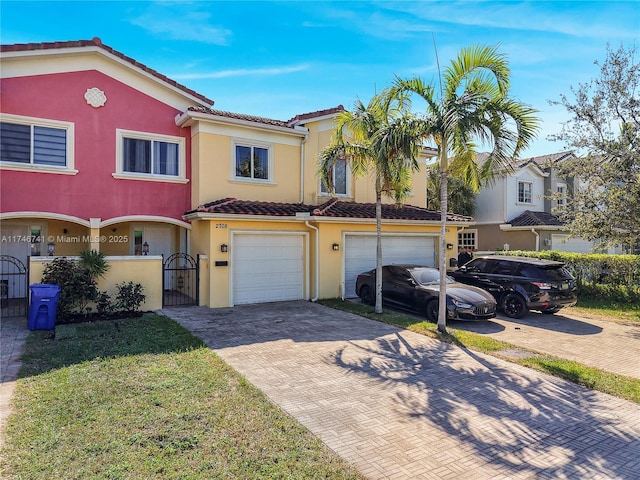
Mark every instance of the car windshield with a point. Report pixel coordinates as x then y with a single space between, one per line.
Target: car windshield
427 276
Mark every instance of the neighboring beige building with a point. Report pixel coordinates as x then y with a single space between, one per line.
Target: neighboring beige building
516 211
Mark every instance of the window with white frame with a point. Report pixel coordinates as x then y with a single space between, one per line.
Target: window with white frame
525 190
31 143
561 190
153 156
339 177
252 161
467 239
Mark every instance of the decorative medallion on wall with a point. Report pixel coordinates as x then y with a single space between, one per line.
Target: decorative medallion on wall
95 97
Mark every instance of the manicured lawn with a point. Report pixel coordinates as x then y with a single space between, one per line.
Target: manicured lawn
144 399
618 385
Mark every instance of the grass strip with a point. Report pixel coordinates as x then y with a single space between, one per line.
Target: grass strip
618 385
143 398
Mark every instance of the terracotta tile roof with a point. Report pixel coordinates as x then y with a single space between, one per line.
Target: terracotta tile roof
319 113
333 208
533 219
96 42
232 206
241 116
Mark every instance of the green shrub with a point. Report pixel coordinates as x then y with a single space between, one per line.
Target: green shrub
593 267
77 286
599 276
129 296
614 293
104 305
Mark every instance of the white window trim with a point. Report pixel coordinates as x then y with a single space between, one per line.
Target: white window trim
530 202
562 200
182 163
348 189
243 142
68 169
475 237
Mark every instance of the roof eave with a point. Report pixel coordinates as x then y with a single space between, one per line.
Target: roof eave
508 227
100 50
189 117
315 218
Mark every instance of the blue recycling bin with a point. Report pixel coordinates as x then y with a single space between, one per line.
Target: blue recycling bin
44 306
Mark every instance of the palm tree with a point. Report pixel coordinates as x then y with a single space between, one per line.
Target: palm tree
378 138
472 103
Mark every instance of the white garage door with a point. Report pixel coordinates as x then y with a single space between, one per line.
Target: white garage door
360 254
563 243
267 268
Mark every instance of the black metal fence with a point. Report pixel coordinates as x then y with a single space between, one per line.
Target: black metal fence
14 288
180 280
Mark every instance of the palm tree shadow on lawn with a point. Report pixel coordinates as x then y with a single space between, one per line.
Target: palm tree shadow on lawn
512 417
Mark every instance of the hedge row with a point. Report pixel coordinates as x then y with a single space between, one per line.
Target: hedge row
599 276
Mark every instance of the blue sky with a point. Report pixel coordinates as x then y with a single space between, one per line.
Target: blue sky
279 59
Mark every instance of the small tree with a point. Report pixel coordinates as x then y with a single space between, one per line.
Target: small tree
460 196
604 133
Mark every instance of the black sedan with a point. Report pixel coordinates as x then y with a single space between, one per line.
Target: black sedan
416 288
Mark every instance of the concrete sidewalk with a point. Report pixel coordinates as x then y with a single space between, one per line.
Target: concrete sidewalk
399 405
13 332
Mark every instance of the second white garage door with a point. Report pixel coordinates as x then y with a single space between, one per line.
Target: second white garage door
267 268
360 254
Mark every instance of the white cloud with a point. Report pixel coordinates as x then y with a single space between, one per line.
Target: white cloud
398 20
242 72
180 22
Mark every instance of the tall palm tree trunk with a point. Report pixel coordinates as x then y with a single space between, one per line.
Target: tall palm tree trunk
442 304
378 308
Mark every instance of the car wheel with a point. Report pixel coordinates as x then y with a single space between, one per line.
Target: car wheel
432 311
366 295
551 310
513 305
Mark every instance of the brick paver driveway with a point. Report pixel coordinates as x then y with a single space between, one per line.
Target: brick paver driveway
400 405
613 347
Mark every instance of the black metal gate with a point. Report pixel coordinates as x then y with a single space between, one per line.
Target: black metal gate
14 288
180 280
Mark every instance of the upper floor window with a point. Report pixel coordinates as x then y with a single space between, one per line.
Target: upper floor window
338 177
148 156
525 190
561 190
35 144
252 161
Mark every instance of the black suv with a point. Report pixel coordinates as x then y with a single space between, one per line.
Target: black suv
520 284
